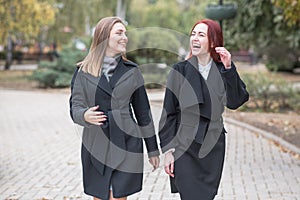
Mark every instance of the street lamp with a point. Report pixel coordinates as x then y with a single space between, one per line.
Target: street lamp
221 11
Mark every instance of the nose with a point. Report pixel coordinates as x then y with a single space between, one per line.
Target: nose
124 37
194 37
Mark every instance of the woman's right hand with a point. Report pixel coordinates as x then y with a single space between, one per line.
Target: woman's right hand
94 117
169 163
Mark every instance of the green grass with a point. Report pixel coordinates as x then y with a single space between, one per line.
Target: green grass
16 79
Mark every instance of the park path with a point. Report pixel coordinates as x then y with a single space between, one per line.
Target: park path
40 156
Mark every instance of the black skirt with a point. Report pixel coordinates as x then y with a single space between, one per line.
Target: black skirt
198 178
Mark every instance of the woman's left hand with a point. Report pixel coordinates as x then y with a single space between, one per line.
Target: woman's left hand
225 56
154 161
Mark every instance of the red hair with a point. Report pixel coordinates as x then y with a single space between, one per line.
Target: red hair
215 37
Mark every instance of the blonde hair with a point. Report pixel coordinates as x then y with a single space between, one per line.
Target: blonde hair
92 62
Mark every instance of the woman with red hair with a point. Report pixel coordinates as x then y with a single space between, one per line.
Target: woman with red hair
191 128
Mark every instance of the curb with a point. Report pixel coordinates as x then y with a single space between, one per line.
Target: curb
265 134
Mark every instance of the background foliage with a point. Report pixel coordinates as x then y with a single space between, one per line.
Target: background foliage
271 94
24 19
58 74
270 28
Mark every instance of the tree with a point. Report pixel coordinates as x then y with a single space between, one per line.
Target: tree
22 20
121 8
291 10
76 18
177 15
261 25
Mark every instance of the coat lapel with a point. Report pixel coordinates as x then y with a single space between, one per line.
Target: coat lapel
101 82
199 86
195 79
121 73
104 85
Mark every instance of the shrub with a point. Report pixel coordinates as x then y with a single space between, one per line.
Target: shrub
280 57
58 73
45 77
51 78
287 96
259 88
269 93
67 60
47 64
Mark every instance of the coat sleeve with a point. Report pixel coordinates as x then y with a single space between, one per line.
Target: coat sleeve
236 93
77 101
71 96
170 116
142 112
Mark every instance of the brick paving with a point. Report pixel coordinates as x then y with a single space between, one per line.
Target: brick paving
40 156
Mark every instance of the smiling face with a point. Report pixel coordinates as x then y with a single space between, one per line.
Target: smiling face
117 40
199 40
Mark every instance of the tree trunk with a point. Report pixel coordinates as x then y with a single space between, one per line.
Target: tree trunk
9 55
121 9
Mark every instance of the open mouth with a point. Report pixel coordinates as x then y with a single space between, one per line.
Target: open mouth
196 46
122 44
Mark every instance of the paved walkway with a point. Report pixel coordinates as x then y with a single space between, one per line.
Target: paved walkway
40 156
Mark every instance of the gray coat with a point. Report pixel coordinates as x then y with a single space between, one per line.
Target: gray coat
112 154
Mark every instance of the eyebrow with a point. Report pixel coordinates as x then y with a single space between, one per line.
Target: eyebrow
199 32
121 30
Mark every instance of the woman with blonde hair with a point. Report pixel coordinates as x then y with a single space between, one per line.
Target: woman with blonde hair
109 100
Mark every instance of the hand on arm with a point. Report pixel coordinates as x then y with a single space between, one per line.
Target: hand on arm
94 117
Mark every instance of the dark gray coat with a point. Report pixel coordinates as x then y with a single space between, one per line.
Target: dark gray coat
112 154
188 103
192 124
